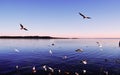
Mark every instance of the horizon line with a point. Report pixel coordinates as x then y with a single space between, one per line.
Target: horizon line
52 37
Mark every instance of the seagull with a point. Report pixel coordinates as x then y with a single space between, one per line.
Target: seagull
44 67
59 70
50 51
84 16
106 72
23 28
65 57
51 69
67 73
16 50
76 73
34 70
84 71
84 61
53 44
100 45
17 67
79 50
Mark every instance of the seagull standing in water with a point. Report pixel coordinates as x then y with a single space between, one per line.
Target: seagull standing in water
76 73
44 67
23 28
16 50
100 45
34 70
50 51
51 69
84 61
17 67
84 16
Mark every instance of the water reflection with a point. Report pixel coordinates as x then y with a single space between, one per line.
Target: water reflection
26 56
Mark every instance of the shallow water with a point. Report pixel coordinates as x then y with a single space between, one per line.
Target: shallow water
27 53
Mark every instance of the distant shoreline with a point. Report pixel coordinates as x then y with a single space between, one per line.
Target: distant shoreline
31 37
45 37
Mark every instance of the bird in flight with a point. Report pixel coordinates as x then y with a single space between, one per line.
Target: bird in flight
84 16
23 28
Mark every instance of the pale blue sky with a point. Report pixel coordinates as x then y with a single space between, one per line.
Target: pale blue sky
61 18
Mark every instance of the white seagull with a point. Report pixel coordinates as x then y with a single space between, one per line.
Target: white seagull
76 73
84 61
99 45
34 70
44 67
51 69
50 51
16 50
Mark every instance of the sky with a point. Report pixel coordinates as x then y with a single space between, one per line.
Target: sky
60 18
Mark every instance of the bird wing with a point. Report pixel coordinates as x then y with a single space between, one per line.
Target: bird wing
21 26
82 15
88 17
25 29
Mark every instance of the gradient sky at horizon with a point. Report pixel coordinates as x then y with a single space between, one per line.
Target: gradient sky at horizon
60 18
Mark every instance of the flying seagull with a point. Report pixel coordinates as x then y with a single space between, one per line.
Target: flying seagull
84 16
23 28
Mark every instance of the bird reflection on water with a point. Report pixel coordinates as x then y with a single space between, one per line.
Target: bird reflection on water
64 60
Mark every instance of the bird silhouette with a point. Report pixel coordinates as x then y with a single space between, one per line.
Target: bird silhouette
23 28
84 16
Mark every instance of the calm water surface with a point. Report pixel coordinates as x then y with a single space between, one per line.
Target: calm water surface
19 56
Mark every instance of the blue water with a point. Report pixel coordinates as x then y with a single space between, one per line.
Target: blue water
29 53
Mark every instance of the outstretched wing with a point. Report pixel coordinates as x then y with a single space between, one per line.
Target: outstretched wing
21 26
25 29
88 17
82 15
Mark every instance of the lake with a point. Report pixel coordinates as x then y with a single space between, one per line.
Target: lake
59 57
